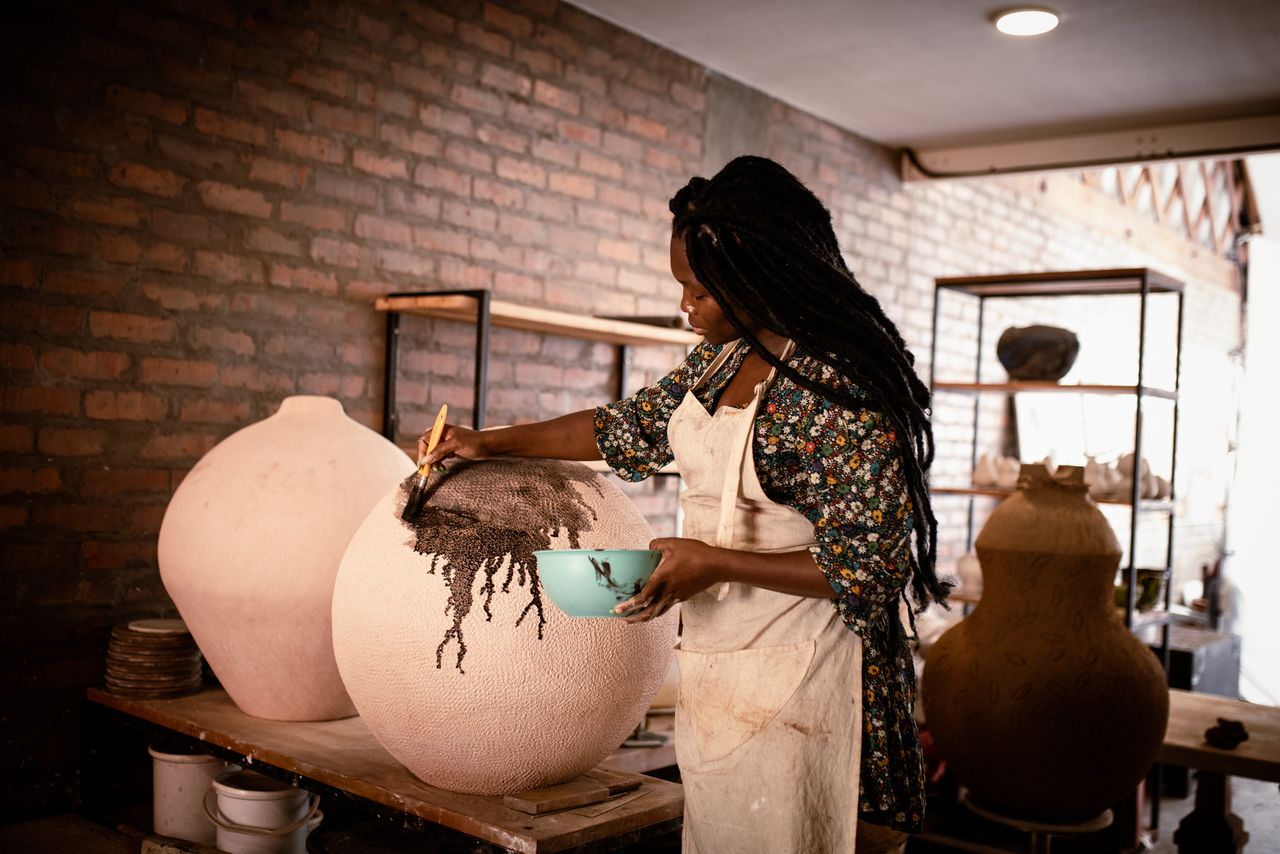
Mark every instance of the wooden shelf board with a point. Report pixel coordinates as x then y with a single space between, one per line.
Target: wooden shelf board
344 755
1141 619
1076 388
509 315
1149 619
642 760
1146 505
1127 280
989 491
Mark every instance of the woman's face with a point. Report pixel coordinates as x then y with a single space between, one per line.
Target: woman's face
696 302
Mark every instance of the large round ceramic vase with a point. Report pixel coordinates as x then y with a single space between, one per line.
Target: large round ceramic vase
250 545
1041 701
460 665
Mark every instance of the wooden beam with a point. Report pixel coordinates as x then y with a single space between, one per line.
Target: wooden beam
1210 189
1175 195
1186 208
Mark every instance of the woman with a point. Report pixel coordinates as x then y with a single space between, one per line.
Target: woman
801 431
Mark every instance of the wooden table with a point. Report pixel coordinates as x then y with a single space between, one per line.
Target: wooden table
1211 827
642 760
343 756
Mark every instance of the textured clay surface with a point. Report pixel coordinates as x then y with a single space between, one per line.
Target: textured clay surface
251 543
454 659
1041 701
457 525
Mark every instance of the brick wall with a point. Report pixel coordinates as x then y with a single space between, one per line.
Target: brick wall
899 237
201 201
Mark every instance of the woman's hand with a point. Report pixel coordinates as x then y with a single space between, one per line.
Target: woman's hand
687 568
455 442
569 437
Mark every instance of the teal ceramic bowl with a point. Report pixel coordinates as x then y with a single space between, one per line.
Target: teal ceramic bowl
592 582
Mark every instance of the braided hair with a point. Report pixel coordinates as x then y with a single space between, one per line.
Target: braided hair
762 244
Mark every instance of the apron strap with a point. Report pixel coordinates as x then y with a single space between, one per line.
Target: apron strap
787 351
733 477
716 364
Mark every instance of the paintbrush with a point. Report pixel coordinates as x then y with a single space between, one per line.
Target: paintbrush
418 492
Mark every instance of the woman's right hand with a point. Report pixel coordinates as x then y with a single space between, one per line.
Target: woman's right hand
569 437
455 442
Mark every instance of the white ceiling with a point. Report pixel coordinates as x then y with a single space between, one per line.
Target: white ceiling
924 73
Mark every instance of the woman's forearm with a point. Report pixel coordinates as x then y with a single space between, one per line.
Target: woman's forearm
690 566
795 573
569 437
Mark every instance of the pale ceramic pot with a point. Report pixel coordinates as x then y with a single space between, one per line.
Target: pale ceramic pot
250 545
459 664
1041 701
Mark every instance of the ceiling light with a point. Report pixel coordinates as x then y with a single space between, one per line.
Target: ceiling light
1025 21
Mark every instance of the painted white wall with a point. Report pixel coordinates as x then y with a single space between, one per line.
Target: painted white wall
1254 567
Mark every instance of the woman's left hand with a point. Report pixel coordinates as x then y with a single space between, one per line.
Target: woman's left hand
686 569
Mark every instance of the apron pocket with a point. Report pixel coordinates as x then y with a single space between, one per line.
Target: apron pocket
726 698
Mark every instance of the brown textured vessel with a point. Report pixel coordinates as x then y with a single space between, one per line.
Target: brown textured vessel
1041 701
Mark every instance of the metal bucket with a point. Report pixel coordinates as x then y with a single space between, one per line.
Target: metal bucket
256 814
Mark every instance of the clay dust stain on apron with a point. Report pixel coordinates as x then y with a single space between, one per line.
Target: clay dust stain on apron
491 516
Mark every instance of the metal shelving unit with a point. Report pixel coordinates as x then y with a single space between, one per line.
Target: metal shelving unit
479 308
1141 282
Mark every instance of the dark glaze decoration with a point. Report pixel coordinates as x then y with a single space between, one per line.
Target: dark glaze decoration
492 515
604 575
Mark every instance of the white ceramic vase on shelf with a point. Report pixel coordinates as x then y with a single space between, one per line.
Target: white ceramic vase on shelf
1007 473
460 665
250 545
985 472
969 575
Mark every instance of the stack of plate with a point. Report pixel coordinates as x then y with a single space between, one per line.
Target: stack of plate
153 660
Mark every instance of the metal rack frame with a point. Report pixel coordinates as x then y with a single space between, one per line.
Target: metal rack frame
629 332
391 365
1139 281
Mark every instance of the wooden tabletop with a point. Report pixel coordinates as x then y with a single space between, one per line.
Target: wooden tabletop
642 760
1190 714
344 755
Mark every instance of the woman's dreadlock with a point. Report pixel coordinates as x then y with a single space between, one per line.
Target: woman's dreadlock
762 244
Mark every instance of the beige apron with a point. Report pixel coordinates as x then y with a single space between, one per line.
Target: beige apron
769 717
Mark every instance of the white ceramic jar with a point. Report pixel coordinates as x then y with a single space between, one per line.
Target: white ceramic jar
250 545
179 781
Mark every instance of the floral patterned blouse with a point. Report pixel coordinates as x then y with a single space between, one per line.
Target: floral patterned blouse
842 469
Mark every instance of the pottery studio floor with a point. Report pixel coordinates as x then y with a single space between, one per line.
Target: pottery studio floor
1256 802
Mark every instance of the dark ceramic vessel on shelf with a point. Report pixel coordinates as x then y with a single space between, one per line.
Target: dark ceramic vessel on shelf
1037 352
1043 704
